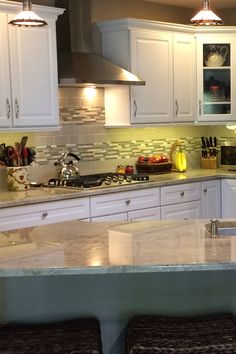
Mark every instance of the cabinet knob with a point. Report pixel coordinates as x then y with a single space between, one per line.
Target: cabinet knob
182 194
205 190
44 214
127 202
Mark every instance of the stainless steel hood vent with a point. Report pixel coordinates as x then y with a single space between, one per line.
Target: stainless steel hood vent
77 62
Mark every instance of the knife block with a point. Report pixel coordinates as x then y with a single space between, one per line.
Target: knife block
209 163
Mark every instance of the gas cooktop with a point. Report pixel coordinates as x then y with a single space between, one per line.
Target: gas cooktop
100 180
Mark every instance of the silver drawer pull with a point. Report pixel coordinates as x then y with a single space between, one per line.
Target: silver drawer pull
182 194
177 108
44 214
135 108
127 202
17 108
205 190
8 108
200 107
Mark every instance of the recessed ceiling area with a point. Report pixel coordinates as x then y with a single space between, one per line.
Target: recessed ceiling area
196 4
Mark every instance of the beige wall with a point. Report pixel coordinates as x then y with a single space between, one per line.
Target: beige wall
109 9
229 16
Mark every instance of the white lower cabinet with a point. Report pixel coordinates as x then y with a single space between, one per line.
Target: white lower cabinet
145 214
211 199
137 204
228 198
137 215
181 201
182 211
44 213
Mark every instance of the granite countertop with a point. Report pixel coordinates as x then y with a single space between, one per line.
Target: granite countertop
79 247
40 195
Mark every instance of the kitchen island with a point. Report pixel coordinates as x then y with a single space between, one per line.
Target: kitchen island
114 271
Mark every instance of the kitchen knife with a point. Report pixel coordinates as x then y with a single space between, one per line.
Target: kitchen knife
211 146
204 151
215 141
215 151
210 141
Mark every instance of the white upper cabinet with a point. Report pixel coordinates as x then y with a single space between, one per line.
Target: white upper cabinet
185 86
162 55
216 77
5 85
28 67
189 72
152 60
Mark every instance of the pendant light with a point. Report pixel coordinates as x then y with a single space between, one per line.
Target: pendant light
27 17
206 17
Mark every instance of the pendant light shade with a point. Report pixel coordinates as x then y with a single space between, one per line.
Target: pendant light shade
206 17
27 17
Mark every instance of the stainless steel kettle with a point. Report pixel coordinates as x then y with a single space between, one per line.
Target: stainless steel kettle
67 170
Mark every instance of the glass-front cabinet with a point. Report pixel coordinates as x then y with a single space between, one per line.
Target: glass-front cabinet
216 78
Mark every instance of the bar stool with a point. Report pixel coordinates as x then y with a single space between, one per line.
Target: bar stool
80 336
170 335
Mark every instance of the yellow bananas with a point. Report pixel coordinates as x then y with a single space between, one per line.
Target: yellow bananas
180 161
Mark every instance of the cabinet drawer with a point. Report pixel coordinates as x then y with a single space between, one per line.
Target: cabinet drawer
145 214
125 201
44 213
180 193
182 211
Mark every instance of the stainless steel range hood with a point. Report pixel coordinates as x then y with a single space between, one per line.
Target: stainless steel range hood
77 62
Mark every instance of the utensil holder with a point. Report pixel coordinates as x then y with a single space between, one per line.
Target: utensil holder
209 163
18 178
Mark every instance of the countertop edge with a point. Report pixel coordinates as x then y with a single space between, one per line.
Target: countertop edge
118 270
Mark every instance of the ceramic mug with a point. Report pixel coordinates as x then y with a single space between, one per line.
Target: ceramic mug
18 178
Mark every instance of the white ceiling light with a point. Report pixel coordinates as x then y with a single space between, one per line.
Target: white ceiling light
206 17
27 17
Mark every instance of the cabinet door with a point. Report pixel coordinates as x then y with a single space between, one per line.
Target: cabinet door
5 90
228 198
211 202
145 214
34 75
183 211
216 79
151 59
185 87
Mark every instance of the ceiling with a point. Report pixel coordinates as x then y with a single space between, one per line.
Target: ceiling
196 4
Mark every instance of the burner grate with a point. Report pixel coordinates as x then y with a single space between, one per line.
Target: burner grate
97 180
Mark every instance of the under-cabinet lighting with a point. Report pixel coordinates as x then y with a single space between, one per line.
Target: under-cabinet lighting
90 92
231 127
27 17
206 17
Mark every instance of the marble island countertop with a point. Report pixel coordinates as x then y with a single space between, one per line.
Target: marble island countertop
79 248
42 194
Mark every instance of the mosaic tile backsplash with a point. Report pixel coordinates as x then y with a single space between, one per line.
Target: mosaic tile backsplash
102 149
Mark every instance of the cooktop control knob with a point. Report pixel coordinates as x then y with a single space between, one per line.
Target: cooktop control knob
108 180
121 179
129 179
